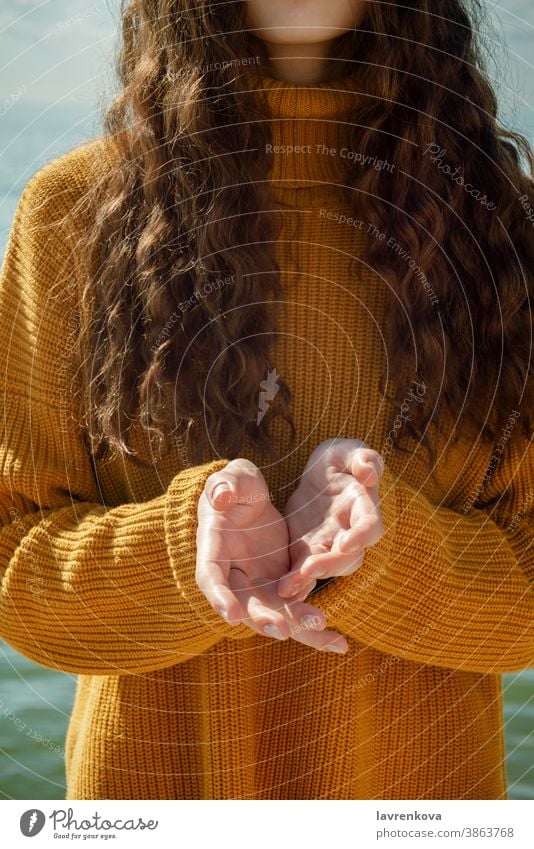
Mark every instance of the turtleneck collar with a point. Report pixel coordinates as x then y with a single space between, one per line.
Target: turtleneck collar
311 125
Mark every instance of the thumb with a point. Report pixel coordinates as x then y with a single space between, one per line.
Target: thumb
221 491
239 483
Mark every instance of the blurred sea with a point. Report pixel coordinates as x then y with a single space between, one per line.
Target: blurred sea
56 64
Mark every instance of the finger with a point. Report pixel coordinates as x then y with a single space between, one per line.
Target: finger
365 523
232 484
334 564
362 500
212 572
221 489
301 621
267 614
263 618
304 616
327 641
293 577
365 532
367 466
212 581
304 593
298 595
293 583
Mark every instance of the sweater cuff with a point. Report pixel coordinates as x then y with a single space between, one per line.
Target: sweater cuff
181 522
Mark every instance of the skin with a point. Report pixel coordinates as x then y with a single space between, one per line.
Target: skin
243 551
328 521
300 35
334 513
255 565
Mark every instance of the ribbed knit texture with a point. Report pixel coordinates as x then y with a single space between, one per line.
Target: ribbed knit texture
98 565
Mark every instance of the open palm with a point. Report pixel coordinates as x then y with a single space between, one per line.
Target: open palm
242 552
333 515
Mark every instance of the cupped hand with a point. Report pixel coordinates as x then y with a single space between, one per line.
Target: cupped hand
333 515
242 552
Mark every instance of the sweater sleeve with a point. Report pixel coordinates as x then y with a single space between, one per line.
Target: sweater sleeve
85 588
446 587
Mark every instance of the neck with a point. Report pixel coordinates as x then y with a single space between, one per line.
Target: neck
304 63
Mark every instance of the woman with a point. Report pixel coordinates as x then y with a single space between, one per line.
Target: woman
272 330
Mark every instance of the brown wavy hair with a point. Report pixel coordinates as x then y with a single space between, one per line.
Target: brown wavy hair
178 208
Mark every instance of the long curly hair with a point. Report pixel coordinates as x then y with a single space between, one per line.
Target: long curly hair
177 210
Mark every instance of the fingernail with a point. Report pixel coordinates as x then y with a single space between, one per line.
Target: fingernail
272 631
336 648
222 612
311 621
218 488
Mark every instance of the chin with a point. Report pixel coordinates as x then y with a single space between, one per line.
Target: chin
299 36
300 21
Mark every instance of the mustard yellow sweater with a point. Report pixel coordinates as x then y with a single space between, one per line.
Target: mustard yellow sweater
98 563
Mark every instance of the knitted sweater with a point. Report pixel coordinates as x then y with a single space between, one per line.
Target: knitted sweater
98 561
